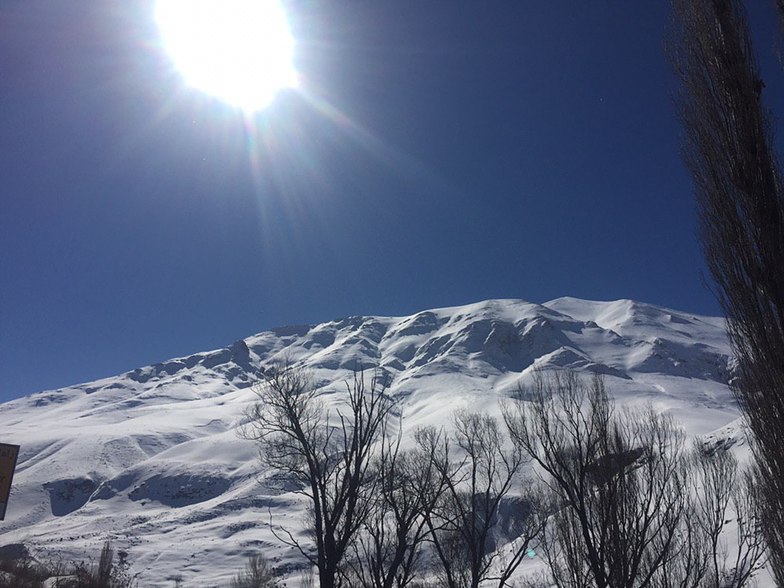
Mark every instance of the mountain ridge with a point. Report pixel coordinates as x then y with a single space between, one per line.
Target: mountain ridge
151 459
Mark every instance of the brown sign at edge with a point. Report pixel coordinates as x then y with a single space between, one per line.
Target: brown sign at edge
8 457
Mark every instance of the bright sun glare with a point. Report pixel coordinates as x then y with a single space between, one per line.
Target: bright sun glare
239 51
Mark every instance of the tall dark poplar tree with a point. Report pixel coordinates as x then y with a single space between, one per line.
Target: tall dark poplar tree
737 180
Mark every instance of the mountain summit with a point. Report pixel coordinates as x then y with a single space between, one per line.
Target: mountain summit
151 458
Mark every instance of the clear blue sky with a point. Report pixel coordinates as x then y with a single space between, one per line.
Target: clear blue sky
456 151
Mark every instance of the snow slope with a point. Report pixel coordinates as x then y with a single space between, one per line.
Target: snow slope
151 458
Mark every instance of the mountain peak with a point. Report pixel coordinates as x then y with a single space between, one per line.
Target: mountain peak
151 457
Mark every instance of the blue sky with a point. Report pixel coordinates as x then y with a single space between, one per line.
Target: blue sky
439 153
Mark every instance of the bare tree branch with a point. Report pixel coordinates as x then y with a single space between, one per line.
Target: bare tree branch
332 460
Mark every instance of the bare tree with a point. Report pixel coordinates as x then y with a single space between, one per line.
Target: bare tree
467 518
722 492
331 456
632 507
617 480
387 551
737 180
257 574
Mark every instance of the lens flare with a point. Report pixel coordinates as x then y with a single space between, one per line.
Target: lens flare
240 51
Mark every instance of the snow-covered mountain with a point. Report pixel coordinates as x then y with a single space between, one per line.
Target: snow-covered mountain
151 458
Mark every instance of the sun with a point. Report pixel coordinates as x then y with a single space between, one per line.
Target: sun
240 51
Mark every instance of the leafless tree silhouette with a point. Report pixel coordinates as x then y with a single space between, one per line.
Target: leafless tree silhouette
469 511
629 512
723 494
257 574
737 180
330 455
387 551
